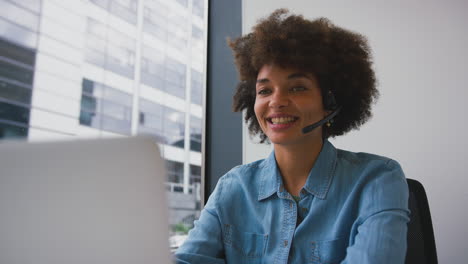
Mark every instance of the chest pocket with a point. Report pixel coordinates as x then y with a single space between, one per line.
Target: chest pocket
245 244
329 251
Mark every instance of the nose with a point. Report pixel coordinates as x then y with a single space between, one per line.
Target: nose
279 99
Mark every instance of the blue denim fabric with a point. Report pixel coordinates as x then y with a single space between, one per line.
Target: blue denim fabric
353 209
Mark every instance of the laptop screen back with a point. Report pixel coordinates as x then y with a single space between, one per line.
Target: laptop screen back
84 202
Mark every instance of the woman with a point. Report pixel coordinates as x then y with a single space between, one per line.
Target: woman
301 82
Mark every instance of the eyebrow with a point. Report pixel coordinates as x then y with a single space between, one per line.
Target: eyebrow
292 76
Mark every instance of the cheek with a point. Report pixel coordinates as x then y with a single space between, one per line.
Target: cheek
258 110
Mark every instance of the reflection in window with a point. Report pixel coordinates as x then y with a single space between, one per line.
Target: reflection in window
95 46
175 172
174 127
165 124
120 53
197 87
10 130
197 33
15 91
105 108
197 8
195 133
109 49
177 30
184 3
16 79
175 77
195 174
17 113
125 9
155 19
153 68
17 53
16 72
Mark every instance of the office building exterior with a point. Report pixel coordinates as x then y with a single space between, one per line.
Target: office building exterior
97 68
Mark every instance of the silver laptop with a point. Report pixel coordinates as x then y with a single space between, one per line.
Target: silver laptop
83 202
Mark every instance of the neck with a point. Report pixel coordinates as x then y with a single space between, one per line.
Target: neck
295 163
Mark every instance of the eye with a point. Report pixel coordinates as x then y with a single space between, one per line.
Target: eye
298 89
264 91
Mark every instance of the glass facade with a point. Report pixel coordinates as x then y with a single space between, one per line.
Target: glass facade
97 68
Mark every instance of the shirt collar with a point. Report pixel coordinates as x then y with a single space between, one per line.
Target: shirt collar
319 179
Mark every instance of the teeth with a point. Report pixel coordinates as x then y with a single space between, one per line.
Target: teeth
282 120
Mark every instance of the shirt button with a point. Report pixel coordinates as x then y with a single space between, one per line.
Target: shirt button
290 205
285 243
304 210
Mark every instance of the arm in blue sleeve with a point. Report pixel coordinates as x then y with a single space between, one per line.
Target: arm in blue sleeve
381 232
204 244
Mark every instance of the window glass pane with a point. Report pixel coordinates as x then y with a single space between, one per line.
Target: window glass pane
155 19
90 119
115 110
89 103
17 53
125 9
16 73
12 131
105 108
195 174
120 53
197 87
184 3
174 127
14 92
175 77
197 8
12 112
175 172
117 125
197 33
195 133
153 67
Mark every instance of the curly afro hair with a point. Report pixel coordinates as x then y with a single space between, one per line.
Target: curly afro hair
340 59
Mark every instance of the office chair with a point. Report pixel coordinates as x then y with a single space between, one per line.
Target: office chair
420 238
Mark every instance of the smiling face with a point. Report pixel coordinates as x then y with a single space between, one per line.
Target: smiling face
288 100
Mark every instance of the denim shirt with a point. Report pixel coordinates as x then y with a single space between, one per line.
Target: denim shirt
352 209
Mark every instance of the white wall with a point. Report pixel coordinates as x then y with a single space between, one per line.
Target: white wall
421 62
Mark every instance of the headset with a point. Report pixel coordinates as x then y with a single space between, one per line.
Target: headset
329 103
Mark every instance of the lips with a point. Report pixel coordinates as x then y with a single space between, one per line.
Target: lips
281 121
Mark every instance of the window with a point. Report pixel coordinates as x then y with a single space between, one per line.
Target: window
175 173
195 174
16 79
153 68
195 133
114 77
175 77
10 130
109 49
105 108
198 8
197 87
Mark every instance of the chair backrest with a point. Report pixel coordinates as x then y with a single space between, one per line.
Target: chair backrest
420 238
